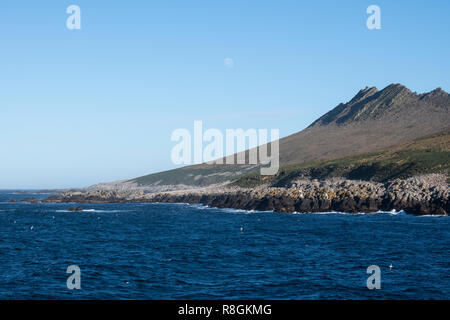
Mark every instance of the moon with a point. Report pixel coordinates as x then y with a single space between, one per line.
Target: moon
229 63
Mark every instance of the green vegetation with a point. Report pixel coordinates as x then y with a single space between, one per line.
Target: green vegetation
429 154
200 175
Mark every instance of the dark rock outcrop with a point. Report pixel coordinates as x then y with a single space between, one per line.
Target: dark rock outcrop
416 196
31 200
77 209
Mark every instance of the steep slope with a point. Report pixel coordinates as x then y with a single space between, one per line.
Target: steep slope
372 120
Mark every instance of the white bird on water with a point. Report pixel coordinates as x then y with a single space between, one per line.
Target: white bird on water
32 227
390 267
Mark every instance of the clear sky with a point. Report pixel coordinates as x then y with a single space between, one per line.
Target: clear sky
99 104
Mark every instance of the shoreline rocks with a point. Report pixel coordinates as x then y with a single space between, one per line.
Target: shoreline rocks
418 196
31 200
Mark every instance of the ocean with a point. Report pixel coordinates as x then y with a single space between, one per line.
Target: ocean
181 251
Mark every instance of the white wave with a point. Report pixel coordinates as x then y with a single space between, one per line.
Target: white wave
105 211
392 212
93 210
199 206
328 212
243 211
432 215
397 213
231 210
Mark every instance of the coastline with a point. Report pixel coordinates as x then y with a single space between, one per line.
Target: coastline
418 196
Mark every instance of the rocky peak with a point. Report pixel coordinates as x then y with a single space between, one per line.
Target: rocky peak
437 97
393 92
370 104
363 94
438 92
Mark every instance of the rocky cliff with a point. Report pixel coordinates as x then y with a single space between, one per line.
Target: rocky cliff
423 195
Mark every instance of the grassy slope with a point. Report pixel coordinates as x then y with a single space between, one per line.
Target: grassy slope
430 154
196 175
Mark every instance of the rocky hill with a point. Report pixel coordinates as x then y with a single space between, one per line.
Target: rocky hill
372 120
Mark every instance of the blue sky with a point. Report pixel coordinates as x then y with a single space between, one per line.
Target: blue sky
99 104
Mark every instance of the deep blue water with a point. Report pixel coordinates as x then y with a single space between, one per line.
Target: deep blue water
177 251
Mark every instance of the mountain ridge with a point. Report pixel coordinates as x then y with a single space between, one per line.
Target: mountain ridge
373 102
